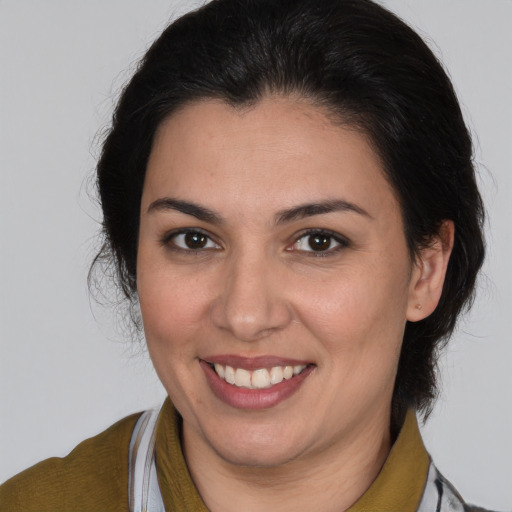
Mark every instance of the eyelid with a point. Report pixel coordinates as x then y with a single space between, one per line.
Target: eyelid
342 241
166 240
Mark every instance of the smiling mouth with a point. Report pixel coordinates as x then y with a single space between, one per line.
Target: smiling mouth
262 378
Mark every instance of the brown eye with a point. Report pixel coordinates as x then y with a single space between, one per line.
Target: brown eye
191 241
319 242
195 240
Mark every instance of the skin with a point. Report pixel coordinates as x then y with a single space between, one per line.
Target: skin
258 289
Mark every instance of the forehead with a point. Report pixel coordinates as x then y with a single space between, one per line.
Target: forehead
279 152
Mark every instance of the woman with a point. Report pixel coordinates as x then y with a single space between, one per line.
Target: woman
288 192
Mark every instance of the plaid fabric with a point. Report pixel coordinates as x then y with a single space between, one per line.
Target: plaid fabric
441 496
143 490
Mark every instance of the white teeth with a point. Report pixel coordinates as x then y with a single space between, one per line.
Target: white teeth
257 379
261 379
276 375
220 370
242 378
298 369
229 375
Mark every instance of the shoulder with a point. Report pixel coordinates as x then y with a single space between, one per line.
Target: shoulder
94 476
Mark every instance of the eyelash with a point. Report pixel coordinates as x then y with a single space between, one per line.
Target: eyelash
342 242
168 238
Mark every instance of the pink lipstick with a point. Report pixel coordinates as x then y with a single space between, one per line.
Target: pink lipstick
254 382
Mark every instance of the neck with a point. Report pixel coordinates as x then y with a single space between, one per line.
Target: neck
329 479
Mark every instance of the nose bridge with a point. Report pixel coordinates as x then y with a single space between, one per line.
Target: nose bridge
252 304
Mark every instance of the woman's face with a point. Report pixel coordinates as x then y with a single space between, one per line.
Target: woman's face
272 249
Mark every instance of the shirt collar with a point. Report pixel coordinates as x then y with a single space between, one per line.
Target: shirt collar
399 485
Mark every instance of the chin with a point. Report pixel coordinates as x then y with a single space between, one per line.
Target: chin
265 446
265 457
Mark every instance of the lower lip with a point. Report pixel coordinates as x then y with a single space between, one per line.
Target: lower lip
253 399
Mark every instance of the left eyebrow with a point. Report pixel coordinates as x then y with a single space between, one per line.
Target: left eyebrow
310 209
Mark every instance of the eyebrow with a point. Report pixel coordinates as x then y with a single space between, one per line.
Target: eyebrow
284 216
186 207
311 209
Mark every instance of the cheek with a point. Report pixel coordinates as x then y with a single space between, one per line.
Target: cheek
172 311
360 316
172 306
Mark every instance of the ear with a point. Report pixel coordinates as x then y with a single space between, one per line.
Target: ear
428 274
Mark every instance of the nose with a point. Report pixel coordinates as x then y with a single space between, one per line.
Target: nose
252 303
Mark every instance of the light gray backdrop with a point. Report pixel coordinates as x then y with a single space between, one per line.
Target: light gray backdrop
62 378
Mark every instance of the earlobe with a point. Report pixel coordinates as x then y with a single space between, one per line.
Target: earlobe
428 274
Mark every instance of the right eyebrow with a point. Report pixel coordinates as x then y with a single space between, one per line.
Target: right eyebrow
186 207
319 208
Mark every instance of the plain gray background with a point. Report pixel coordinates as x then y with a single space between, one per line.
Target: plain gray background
64 373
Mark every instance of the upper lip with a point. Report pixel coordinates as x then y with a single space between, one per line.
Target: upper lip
253 363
